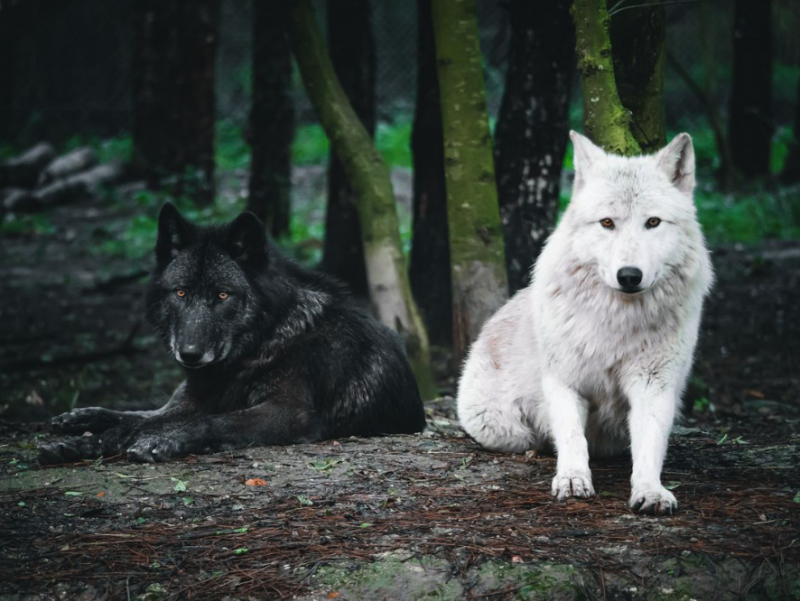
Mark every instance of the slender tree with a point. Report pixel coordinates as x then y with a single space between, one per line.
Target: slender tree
532 129
606 120
389 288
638 35
352 51
271 128
430 251
478 274
175 45
750 123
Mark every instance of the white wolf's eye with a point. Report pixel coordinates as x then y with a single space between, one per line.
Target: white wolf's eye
652 222
607 223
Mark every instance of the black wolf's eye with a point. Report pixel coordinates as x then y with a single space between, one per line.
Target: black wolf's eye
180 292
223 296
652 222
607 223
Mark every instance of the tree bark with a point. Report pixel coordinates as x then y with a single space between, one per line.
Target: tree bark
271 129
389 289
532 130
478 273
638 36
606 120
175 44
352 51
750 113
430 251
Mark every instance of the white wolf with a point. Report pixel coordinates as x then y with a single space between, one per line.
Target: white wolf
593 356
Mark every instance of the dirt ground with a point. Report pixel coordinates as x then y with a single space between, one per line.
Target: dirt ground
414 517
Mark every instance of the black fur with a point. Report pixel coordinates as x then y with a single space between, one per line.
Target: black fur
285 357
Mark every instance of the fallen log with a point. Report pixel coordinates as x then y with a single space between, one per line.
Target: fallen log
14 197
68 190
23 171
75 161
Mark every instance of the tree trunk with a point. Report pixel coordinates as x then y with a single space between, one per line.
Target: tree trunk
175 43
389 289
352 51
430 251
750 114
532 129
271 127
791 170
606 120
479 281
638 36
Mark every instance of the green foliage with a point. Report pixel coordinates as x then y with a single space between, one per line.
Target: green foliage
394 142
727 218
311 146
26 225
232 152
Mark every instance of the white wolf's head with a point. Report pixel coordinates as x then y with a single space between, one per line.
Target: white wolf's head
633 217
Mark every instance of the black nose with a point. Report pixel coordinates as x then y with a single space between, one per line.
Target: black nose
629 277
190 354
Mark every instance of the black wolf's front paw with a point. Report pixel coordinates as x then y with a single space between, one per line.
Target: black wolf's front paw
70 451
152 448
85 419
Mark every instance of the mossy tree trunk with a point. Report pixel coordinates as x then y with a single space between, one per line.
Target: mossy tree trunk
174 56
532 129
389 289
638 36
607 121
750 124
478 272
429 268
352 51
271 129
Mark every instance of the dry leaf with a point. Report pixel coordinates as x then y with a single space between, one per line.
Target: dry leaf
101 494
333 595
256 482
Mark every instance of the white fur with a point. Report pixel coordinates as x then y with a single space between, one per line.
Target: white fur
575 363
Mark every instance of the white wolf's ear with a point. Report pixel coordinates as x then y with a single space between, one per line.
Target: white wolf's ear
247 241
676 159
174 233
585 155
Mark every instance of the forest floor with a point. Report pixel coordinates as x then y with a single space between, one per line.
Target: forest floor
413 517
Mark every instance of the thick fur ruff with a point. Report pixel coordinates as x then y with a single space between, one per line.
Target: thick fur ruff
574 362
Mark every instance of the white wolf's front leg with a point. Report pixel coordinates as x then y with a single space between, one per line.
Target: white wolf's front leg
567 413
651 418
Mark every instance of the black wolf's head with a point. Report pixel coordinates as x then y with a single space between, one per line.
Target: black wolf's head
202 297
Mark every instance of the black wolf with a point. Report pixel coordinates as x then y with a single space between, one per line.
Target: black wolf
273 354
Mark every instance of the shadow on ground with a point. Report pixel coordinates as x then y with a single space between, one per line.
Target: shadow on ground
418 517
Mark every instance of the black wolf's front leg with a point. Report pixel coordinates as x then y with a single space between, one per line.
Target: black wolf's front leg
265 424
108 443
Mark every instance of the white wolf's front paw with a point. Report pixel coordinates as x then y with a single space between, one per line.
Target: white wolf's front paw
572 484
653 499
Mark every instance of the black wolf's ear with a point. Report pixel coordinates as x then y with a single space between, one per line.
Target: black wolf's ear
585 155
676 159
174 233
247 242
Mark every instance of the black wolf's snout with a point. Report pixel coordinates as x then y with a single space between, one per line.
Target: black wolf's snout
629 277
190 355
